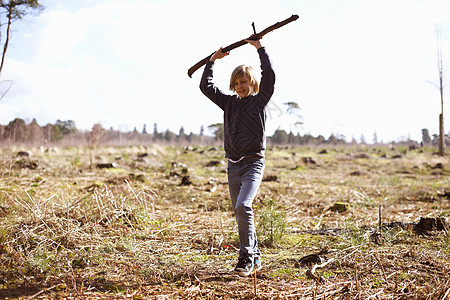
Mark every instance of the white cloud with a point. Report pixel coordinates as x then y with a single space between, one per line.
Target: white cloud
354 68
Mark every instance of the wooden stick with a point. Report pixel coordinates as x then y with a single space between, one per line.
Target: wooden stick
379 219
243 42
254 283
381 266
45 290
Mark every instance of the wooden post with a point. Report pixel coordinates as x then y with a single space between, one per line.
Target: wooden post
254 284
379 219
441 90
441 135
91 150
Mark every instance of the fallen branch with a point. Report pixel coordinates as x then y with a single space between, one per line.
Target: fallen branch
310 273
254 284
167 228
381 266
45 290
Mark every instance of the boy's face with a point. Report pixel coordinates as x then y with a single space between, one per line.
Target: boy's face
242 86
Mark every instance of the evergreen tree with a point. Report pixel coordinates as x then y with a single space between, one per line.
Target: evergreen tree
181 134
169 135
375 138
363 139
280 137
156 134
65 127
217 130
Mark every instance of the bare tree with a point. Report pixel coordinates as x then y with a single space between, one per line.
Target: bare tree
441 89
13 10
293 109
95 140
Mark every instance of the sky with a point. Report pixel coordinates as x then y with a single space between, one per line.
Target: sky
355 67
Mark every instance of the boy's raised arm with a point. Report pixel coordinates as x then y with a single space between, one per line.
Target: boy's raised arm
266 86
218 55
255 43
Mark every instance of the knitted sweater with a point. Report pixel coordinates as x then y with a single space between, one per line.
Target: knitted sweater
244 119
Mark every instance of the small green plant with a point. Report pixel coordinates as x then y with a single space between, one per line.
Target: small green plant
272 223
353 236
76 161
42 260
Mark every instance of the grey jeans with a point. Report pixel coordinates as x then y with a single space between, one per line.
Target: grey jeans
244 179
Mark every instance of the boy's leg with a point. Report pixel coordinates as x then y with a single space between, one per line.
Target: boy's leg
234 182
251 180
243 186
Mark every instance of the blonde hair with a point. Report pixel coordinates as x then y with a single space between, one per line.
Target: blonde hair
239 72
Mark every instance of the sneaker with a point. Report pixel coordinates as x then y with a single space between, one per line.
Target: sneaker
257 263
244 266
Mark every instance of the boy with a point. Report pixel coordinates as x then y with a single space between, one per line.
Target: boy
244 143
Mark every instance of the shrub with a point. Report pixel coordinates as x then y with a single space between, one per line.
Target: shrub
272 224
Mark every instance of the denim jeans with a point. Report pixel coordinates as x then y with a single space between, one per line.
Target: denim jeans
244 179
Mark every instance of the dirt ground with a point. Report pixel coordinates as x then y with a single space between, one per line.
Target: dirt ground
155 223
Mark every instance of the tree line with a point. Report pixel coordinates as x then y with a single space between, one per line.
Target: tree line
18 132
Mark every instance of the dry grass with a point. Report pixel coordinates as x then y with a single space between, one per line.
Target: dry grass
135 232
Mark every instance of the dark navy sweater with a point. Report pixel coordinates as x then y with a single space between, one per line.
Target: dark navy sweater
244 119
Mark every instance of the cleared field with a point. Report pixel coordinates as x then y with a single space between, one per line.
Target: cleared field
155 222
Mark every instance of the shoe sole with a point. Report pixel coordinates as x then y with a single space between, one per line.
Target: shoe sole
244 274
247 273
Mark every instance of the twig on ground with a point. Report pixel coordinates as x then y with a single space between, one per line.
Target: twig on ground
375 295
134 193
381 267
311 272
44 290
446 294
36 213
167 228
254 284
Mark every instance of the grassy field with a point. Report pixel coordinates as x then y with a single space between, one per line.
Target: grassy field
158 224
